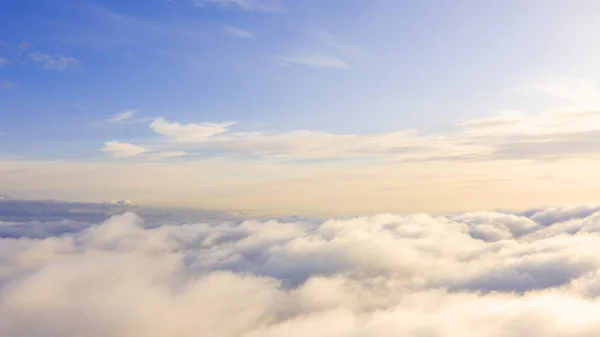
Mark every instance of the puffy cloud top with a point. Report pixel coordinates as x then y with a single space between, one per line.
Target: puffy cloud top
480 274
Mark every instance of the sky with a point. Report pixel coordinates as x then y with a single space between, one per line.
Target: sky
311 107
328 168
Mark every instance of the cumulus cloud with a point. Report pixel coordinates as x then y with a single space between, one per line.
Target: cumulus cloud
122 149
55 62
399 275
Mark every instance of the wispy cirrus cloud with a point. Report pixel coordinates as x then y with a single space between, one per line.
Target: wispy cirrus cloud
247 5
238 32
334 41
313 60
126 150
55 62
122 116
3 62
125 117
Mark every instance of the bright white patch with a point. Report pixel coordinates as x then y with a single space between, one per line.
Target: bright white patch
121 149
188 132
384 275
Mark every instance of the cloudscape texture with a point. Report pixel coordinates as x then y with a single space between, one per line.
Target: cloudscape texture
299 168
531 273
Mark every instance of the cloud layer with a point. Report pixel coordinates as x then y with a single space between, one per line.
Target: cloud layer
509 135
472 274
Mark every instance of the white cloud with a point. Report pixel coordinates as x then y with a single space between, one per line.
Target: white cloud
507 136
55 62
122 149
238 32
399 275
188 132
312 61
247 5
122 116
3 62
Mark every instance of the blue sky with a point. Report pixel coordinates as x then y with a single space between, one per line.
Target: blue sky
360 70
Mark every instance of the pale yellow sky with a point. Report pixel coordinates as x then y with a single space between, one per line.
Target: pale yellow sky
510 159
281 189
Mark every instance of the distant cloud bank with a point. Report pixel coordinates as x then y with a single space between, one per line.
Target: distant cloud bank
532 273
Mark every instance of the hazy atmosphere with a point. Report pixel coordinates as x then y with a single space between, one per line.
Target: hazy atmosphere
312 107
328 168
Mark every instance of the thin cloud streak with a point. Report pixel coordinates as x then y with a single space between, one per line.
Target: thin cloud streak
246 5
238 32
122 116
123 149
334 41
312 61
